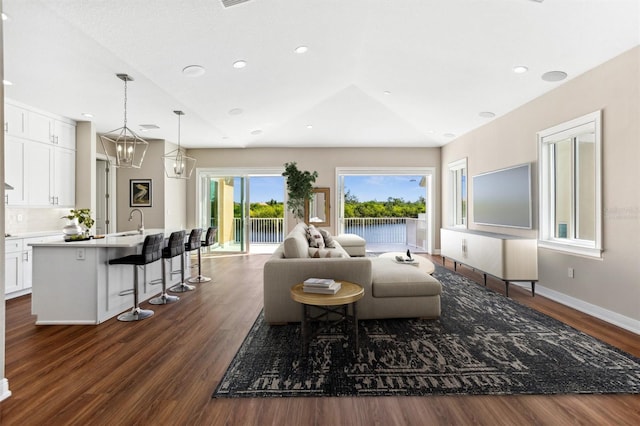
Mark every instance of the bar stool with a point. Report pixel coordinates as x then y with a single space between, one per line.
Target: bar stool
176 242
195 243
151 252
182 287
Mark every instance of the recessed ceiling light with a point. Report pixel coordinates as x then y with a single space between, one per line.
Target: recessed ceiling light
240 64
449 135
236 111
193 70
486 114
256 132
386 92
147 127
301 49
520 69
87 114
309 126
554 76
4 16
7 83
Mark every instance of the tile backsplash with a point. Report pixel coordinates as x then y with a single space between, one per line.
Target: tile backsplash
27 220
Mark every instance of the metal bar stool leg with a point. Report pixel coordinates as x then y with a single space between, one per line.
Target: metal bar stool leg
164 298
136 313
182 287
200 278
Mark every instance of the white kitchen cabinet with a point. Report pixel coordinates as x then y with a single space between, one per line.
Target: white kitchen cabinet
39 158
13 266
38 172
16 121
50 175
64 177
46 129
19 264
14 170
64 134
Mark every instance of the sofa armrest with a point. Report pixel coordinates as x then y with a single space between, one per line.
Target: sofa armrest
281 274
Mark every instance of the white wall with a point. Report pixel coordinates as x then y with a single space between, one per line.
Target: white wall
610 286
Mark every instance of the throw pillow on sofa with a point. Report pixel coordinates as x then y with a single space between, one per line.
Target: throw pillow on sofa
323 252
328 239
315 237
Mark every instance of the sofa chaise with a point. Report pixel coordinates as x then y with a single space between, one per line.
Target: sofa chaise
391 290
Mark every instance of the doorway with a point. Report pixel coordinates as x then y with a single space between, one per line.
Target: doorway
391 208
246 206
105 198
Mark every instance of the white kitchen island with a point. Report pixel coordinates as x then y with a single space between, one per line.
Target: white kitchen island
73 282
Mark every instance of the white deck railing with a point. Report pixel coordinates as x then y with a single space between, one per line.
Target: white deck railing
384 230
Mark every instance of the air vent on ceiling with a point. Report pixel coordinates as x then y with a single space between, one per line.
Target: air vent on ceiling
229 3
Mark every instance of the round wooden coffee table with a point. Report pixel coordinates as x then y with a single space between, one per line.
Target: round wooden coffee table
328 304
420 262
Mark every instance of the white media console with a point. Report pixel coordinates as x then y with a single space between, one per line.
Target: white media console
506 257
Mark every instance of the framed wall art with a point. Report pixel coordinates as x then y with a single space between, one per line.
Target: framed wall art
140 191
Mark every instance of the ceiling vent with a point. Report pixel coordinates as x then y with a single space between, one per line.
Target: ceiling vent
229 3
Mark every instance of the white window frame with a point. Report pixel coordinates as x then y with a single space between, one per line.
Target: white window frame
456 197
546 161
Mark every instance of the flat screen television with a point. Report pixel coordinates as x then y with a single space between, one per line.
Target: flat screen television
503 197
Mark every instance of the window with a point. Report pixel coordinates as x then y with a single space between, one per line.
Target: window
458 193
570 197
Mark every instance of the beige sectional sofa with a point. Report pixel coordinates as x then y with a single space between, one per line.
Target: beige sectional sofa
391 290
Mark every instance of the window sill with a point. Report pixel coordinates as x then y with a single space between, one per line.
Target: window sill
578 250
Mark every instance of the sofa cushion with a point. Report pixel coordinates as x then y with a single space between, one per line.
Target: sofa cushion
391 279
328 239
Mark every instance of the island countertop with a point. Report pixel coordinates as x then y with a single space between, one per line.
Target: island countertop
73 282
119 239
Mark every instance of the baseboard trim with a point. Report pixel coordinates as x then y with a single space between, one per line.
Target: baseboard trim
611 317
4 389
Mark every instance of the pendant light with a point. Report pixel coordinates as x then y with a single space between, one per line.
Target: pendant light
177 164
124 148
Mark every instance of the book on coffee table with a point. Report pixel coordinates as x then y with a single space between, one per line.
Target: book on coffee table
332 289
318 282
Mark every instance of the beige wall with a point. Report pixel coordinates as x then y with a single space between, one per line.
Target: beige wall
322 160
168 200
611 283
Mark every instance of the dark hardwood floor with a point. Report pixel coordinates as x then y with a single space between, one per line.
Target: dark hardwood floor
163 370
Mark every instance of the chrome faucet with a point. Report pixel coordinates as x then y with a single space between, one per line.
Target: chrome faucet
141 226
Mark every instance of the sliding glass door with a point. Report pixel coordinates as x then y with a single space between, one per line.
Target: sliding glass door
246 205
390 207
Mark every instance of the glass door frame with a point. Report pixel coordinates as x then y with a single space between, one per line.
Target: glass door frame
429 174
245 173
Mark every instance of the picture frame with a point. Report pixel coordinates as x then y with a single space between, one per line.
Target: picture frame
140 192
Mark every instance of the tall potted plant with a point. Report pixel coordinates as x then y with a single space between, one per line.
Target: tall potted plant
299 188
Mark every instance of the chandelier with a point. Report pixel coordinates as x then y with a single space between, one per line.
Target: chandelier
177 164
123 146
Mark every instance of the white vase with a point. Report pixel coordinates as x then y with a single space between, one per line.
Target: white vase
72 228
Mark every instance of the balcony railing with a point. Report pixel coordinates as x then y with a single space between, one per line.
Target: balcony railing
385 230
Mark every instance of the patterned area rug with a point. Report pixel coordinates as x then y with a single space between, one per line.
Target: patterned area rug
484 344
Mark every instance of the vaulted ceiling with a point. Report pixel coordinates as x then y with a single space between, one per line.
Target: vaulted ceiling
405 73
